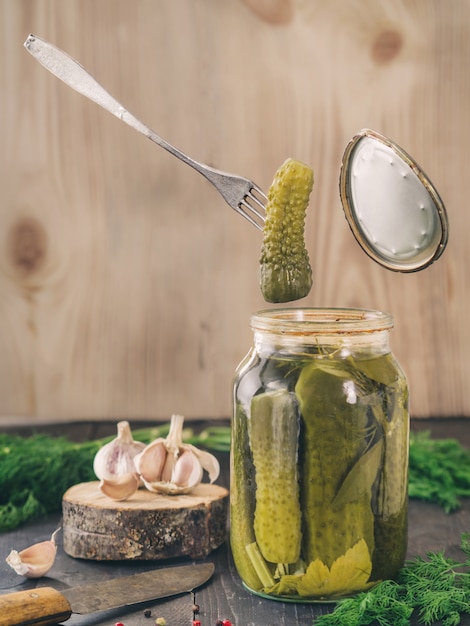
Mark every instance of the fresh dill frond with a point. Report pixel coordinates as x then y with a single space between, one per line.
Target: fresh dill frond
431 590
382 605
439 470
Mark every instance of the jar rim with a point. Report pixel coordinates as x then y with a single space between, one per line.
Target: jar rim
316 320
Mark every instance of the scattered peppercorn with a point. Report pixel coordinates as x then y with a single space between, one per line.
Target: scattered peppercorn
219 622
147 613
195 609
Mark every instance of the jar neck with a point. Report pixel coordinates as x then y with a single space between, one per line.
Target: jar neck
322 330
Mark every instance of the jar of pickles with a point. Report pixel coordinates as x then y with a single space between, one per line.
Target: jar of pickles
318 504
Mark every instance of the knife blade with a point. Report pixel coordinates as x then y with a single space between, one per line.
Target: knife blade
45 605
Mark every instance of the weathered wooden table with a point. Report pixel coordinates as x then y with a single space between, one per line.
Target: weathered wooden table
223 597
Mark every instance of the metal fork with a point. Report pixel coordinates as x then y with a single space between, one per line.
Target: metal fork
240 193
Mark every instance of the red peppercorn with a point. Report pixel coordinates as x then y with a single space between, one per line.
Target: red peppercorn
118 624
196 622
226 622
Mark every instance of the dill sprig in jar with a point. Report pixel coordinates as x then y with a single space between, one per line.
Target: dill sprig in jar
319 458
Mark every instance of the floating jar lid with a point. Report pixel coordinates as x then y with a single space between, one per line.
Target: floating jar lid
394 211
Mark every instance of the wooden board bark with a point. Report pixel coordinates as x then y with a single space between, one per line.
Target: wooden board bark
126 283
147 526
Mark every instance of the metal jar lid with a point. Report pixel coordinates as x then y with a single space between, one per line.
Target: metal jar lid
392 208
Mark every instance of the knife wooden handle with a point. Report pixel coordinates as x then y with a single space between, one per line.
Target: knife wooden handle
40 606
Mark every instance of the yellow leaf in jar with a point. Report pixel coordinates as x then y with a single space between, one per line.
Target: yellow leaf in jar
348 574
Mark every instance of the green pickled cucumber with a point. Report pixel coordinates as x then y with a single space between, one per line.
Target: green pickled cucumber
335 519
393 418
285 271
274 445
392 494
391 536
242 501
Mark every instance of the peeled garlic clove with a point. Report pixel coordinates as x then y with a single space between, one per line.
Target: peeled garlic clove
116 458
121 487
35 561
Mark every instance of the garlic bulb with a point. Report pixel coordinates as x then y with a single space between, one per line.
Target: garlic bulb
114 464
35 561
170 466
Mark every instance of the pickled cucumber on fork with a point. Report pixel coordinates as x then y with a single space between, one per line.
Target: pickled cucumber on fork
285 271
274 435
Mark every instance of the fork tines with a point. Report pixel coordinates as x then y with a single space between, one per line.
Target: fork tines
253 205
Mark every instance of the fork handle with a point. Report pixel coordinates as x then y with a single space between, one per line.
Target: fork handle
73 74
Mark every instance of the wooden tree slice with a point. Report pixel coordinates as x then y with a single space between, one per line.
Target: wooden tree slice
146 526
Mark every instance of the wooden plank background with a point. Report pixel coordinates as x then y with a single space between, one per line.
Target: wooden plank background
126 283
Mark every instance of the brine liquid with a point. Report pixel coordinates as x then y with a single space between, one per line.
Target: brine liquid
348 478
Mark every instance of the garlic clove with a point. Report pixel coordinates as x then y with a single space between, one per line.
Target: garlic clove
35 561
168 468
208 462
121 487
116 458
151 461
187 471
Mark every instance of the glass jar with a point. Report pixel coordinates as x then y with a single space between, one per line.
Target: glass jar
319 459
